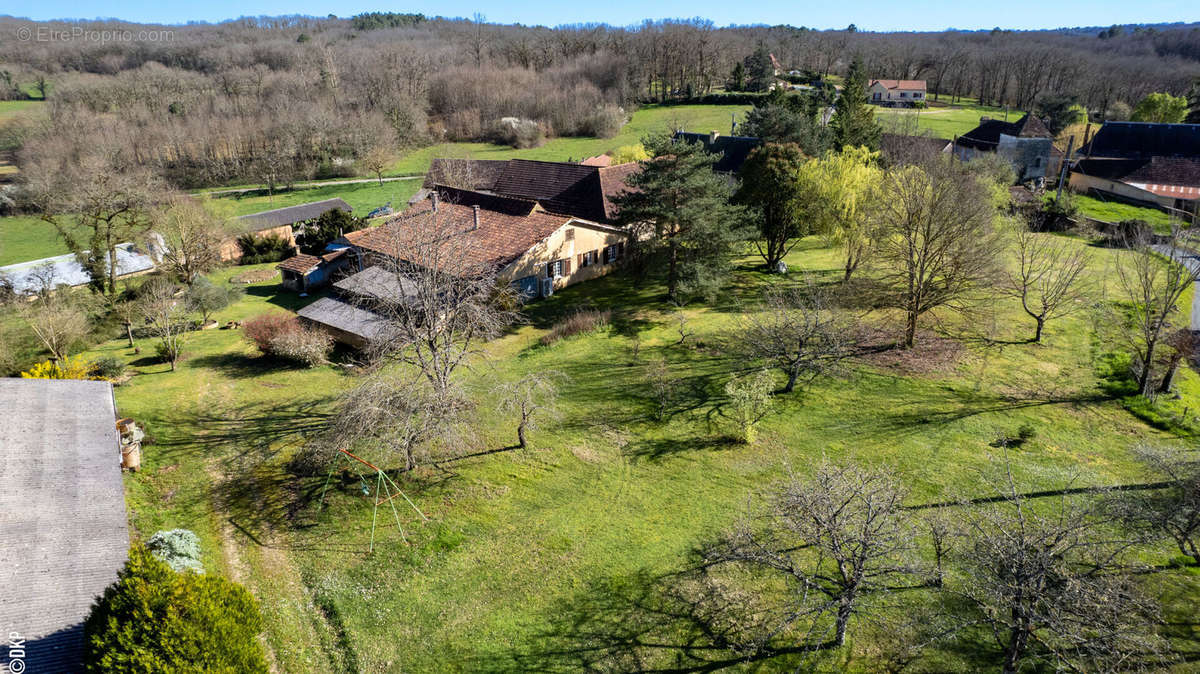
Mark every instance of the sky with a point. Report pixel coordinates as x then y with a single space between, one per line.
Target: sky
881 15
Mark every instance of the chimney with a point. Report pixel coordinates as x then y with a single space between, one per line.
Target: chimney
712 136
476 209
435 201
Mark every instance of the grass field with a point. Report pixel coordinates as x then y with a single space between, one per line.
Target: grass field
1115 211
942 121
362 197
27 237
523 543
648 119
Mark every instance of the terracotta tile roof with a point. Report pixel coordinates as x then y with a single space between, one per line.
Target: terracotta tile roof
302 264
612 184
499 239
598 160
900 84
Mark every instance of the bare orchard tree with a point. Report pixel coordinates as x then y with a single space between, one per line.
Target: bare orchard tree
167 318
58 319
1153 278
798 333
1051 584
531 399
840 540
446 299
405 415
1049 279
1171 511
192 230
377 160
937 241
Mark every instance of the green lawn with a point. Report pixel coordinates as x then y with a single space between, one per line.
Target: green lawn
362 197
10 109
648 119
945 121
522 543
27 237
1115 211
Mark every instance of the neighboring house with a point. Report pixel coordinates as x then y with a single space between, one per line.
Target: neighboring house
62 516
535 249
1026 143
1142 163
733 150
896 92
558 187
304 273
278 222
65 270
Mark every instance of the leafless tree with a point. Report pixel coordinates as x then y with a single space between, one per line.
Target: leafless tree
406 416
58 320
1049 279
531 398
377 160
192 231
1172 511
166 317
446 299
796 332
1182 345
1051 584
840 539
1153 287
662 385
938 245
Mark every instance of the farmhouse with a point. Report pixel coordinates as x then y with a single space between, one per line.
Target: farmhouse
1026 143
732 150
62 515
279 222
533 248
896 92
1142 163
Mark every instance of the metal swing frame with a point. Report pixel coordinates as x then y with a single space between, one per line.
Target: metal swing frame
382 482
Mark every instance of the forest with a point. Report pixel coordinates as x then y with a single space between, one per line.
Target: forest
274 100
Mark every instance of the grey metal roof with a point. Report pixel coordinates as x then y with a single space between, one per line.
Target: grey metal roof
376 283
343 315
62 513
291 214
65 269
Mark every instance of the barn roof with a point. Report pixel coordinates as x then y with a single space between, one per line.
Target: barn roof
1142 140
291 214
733 150
348 317
986 136
62 512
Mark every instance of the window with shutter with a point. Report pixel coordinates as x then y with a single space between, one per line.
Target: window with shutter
566 267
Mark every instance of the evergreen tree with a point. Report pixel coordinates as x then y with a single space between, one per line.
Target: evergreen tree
737 79
770 187
854 122
681 211
1193 97
759 69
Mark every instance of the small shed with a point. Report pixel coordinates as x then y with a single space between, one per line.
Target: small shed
303 273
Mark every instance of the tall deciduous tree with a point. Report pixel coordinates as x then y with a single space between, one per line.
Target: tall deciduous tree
680 208
938 243
854 121
773 193
192 230
845 182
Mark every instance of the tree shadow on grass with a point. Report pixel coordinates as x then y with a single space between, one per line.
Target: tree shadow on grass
250 429
646 622
657 449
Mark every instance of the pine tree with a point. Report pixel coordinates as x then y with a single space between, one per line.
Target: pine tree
759 69
680 209
854 121
1193 96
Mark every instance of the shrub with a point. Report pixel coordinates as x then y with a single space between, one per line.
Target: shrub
108 367
662 385
179 548
308 346
206 298
605 122
749 401
519 133
69 368
584 320
261 330
169 353
156 620
267 248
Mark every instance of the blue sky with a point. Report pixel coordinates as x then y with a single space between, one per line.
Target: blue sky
866 14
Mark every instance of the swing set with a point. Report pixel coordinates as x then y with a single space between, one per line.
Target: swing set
383 484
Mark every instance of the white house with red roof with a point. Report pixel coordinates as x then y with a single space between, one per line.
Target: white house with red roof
896 92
